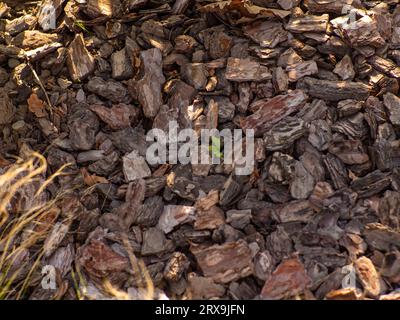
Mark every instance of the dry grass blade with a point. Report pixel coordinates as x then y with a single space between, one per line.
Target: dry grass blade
23 228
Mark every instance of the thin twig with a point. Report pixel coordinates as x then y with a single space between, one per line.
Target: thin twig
50 106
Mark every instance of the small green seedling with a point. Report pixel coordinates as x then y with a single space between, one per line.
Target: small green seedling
81 25
215 147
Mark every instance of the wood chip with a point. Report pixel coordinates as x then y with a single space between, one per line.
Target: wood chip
79 60
173 216
334 90
149 87
344 69
288 280
246 70
363 32
99 260
135 166
210 218
224 263
392 104
300 70
267 34
368 276
308 23
270 111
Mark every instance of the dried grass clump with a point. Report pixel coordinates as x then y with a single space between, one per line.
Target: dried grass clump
26 218
28 215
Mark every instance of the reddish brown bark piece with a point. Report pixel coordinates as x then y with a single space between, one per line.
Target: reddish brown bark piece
196 74
203 288
386 66
284 133
208 201
154 242
220 45
392 104
135 166
308 23
329 6
83 125
288 280
128 212
246 70
303 183
267 33
110 90
345 69
174 216
224 263
270 111
280 80
100 261
389 209
371 184
322 191
119 116
210 218
298 210
334 90
185 43
349 151
381 237
148 88
36 106
79 60
363 32
289 57
121 65
300 70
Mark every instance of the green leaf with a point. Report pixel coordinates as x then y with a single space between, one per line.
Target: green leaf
216 142
80 24
216 147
